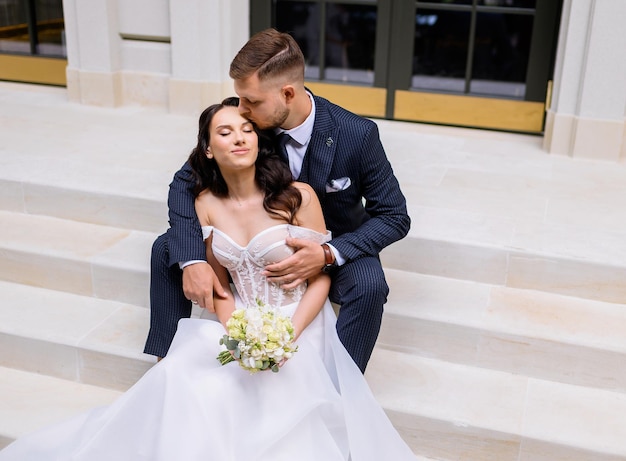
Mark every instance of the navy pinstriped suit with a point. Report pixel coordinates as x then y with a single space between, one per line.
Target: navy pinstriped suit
342 145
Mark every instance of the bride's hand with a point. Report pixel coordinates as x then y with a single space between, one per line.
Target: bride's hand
306 262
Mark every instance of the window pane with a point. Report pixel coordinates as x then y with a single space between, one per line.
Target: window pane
14 28
508 3
453 2
50 28
350 42
48 25
503 3
299 20
440 51
348 45
501 51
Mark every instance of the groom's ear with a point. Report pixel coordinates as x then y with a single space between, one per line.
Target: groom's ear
289 93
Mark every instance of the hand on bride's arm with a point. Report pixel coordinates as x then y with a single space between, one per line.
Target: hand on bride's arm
305 263
200 284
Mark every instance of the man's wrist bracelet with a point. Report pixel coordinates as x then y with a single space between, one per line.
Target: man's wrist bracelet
329 259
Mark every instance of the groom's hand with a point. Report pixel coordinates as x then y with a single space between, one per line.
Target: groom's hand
306 262
200 283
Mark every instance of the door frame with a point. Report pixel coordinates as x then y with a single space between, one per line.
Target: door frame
390 95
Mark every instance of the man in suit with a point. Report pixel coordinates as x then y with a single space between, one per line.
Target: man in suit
340 155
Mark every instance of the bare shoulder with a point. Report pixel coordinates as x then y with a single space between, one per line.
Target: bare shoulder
205 197
202 200
306 192
205 201
310 213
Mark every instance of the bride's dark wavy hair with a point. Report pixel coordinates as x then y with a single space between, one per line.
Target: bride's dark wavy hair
282 198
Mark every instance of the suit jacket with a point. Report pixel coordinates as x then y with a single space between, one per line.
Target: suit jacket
364 217
370 213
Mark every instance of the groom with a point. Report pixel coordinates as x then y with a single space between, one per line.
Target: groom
340 155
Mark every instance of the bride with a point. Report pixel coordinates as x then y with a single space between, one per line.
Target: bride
190 407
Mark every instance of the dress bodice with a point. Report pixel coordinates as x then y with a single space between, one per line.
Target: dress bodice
245 263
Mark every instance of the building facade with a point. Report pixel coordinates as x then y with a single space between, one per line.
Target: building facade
551 67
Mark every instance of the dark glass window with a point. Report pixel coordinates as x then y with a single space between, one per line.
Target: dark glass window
50 28
34 27
14 27
477 47
346 51
440 52
501 51
502 3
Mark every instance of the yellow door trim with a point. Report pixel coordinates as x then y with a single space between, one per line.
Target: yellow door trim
33 69
365 101
472 111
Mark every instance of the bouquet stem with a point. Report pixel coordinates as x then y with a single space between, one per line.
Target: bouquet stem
225 357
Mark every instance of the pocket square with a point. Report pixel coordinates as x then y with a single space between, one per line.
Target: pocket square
336 185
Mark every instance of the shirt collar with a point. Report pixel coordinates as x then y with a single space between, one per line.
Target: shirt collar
302 133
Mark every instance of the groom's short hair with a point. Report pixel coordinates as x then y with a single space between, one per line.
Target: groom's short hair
271 54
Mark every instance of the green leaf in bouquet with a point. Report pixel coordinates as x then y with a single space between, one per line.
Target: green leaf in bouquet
232 344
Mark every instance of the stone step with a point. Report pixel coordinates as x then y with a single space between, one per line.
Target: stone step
73 337
445 411
529 333
458 412
29 401
87 202
441 242
585 264
518 330
533 333
87 259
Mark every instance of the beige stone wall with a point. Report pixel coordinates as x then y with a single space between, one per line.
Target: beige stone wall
164 53
175 54
587 114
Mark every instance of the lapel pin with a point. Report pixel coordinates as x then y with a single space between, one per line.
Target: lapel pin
329 142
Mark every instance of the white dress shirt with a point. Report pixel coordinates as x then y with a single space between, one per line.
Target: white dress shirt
296 149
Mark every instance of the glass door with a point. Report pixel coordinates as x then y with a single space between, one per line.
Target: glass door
32 41
482 63
341 41
475 63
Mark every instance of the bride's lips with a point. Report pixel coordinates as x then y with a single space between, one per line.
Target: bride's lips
240 151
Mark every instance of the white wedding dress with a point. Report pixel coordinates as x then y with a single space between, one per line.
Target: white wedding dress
188 407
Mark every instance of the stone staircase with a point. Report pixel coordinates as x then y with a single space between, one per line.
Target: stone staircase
490 350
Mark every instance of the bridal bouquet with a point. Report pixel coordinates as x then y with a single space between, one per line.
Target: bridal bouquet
259 337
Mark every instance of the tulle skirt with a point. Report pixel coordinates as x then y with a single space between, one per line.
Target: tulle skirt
189 407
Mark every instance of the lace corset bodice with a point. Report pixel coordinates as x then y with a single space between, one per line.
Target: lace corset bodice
245 263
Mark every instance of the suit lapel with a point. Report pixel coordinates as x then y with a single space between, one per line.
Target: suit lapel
318 160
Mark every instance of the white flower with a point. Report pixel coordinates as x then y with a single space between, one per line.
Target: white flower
259 337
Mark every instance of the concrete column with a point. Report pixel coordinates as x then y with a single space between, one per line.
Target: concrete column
205 36
93 52
587 114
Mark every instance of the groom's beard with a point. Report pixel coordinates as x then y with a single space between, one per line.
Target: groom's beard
277 119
